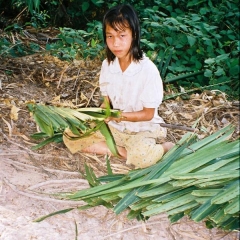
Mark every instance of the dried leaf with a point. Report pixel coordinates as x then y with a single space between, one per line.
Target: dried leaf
14 113
9 127
186 115
56 99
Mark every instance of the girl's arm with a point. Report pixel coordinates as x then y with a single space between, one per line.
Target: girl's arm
144 115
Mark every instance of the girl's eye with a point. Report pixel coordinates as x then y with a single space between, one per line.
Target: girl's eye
122 35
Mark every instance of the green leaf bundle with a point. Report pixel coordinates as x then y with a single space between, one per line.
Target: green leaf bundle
53 121
199 179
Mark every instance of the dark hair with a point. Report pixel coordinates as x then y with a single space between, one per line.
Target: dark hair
123 16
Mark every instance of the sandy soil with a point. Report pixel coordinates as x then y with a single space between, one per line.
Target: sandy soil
25 186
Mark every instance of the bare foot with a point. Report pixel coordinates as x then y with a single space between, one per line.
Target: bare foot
167 146
101 148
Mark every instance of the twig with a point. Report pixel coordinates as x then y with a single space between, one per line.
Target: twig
14 143
19 14
30 166
64 70
180 127
62 181
61 171
129 229
191 236
13 153
75 83
8 69
91 95
26 194
75 86
76 99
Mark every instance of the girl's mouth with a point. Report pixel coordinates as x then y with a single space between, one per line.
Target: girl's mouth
117 51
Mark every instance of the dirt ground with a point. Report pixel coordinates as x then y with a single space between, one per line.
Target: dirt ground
27 178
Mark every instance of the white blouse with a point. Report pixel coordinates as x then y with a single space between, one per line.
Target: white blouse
140 85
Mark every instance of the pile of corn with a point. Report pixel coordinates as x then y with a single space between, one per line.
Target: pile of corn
197 178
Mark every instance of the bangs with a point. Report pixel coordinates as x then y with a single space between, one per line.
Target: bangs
119 24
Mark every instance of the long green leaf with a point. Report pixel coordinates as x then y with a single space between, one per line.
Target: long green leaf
56 138
207 140
55 116
90 176
205 192
233 224
220 162
109 169
170 205
162 189
54 213
173 195
234 165
174 218
229 192
208 175
45 127
233 206
43 113
204 210
182 208
156 172
219 216
109 139
87 192
141 204
111 178
200 157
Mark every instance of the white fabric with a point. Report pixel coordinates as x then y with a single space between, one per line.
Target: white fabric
140 85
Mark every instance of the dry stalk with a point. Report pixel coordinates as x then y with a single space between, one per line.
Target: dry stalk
129 229
48 199
19 145
64 70
17 163
62 181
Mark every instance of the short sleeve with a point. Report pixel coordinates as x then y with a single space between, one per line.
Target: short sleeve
102 78
152 94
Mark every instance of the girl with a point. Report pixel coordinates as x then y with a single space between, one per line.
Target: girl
130 82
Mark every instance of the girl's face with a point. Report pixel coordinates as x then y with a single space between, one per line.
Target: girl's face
119 42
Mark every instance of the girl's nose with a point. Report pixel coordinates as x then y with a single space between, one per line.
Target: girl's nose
116 42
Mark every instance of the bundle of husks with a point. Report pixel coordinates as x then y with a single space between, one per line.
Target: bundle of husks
197 178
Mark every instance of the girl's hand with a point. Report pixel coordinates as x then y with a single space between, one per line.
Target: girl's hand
116 119
144 115
106 102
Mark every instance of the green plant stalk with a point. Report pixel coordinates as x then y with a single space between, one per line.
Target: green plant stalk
182 76
194 90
